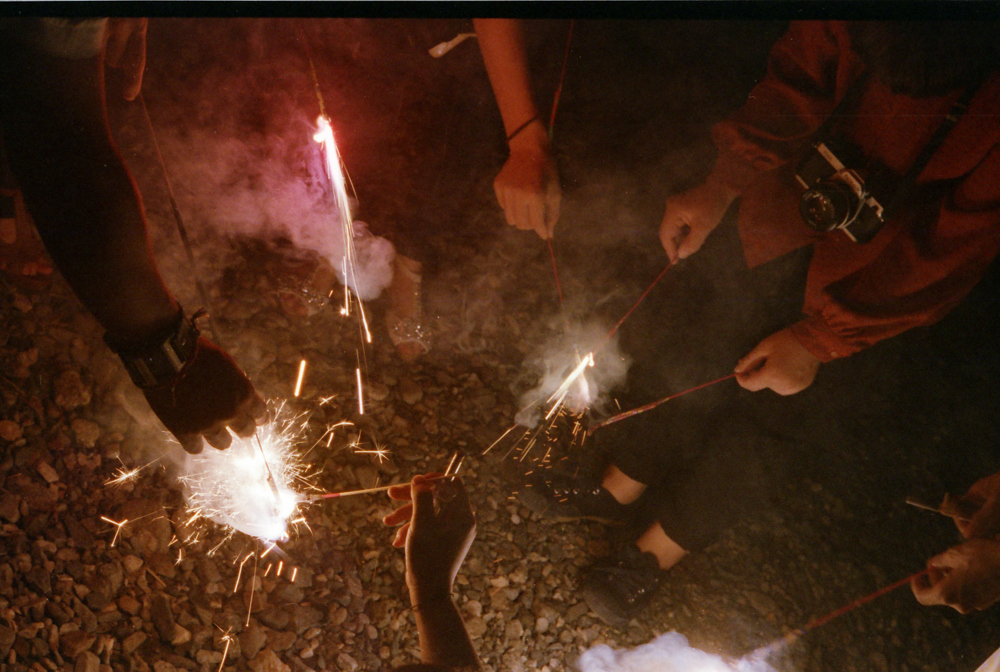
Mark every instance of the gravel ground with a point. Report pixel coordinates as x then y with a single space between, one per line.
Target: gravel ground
76 592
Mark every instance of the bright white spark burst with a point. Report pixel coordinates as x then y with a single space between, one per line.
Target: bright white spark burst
230 487
335 170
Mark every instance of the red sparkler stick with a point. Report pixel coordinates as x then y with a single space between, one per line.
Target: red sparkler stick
562 77
654 404
823 620
617 326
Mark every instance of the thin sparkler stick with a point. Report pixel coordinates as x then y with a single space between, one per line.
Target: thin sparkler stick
366 491
635 305
654 404
823 620
270 477
181 229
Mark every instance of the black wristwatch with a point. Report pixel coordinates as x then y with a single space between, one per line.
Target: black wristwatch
159 359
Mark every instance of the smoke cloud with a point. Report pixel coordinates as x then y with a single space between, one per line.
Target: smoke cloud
667 653
556 360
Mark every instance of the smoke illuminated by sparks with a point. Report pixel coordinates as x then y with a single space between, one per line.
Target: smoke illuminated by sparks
230 487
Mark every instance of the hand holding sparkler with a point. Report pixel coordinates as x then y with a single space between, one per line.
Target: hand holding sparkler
438 530
779 362
528 184
210 394
965 577
693 214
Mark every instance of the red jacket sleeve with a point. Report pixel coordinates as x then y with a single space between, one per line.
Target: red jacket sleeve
809 70
926 268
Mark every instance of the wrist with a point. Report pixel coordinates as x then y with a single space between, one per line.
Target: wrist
159 356
532 138
720 190
429 592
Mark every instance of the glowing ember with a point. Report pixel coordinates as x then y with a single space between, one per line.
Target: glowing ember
231 487
301 377
361 397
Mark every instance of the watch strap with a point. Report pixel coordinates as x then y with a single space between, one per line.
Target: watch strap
161 358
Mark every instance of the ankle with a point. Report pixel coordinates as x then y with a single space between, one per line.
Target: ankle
656 542
624 489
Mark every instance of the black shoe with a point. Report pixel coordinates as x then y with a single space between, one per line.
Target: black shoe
562 498
619 588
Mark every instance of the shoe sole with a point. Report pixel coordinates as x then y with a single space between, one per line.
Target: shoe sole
602 611
537 503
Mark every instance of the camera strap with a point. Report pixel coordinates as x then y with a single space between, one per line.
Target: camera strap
960 107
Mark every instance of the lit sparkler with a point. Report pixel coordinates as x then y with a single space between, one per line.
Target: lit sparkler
335 170
249 486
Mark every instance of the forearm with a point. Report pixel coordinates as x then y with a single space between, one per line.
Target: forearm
501 42
81 196
442 634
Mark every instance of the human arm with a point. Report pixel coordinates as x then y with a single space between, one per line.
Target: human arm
437 531
809 70
89 214
527 186
126 49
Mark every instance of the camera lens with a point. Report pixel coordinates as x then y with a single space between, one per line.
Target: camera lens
828 205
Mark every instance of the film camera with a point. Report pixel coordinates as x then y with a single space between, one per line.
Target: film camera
838 197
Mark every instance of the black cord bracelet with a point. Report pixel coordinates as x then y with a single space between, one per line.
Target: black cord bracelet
523 126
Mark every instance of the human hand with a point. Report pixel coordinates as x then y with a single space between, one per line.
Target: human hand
527 186
691 215
965 577
438 529
780 363
126 49
983 498
210 394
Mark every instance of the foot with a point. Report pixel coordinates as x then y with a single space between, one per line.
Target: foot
404 318
304 283
563 498
619 588
22 256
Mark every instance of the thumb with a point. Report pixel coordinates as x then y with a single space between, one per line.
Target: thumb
422 494
692 242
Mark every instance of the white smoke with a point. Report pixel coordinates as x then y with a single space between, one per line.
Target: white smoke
557 359
667 653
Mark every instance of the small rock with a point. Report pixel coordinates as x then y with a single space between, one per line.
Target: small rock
132 563
162 615
541 625
73 643
87 662
476 627
347 663
22 303
409 391
86 432
133 642
268 661
576 611
252 640
10 431
46 471
206 657
70 390
181 635
7 637
129 604
10 507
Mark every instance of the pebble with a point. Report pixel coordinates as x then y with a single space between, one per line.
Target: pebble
10 431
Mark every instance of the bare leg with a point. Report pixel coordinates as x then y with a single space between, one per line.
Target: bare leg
405 309
654 540
624 489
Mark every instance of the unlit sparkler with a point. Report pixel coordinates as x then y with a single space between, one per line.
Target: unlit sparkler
367 491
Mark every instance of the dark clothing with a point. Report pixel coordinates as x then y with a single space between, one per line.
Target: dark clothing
702 461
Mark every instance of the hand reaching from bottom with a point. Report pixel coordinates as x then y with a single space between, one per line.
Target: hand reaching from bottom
438 529
210 394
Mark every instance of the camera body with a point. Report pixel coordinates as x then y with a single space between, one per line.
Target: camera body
838 197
